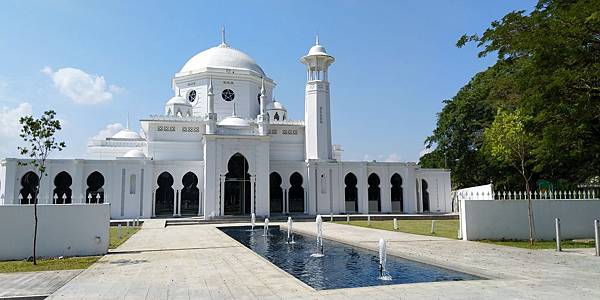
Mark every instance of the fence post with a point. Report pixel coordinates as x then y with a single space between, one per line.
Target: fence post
119 231
369 220
557 229
127 228
395 224
597 237
432 226
347 218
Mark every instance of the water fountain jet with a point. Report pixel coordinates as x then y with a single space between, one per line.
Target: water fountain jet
290 233
383 273
266 227
320 249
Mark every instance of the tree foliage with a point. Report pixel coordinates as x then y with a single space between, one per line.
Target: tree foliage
548 67
38 134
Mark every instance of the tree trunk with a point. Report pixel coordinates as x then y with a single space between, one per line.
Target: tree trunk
530 215
35 219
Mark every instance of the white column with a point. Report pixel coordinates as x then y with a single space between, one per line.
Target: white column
252 193
222 196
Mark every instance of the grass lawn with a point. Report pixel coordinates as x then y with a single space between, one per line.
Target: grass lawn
443 228
48 264
114 235
566 244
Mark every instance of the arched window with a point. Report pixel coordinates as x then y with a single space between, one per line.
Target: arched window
62 190
165 195
374 193
29 184
190 194
296 193
396 193
275 193
425 194
351 192
95 191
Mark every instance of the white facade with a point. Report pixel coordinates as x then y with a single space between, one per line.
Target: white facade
224 146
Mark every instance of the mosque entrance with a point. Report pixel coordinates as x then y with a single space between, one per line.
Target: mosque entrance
237 186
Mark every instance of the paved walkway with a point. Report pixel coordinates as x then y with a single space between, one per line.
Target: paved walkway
200 262
33 284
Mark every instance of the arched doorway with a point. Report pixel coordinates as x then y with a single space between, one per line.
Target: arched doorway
237 186
425 193
275 193
351 192
165 195
190 194
29 184
95 191
296 194
396 192
374 193
62 188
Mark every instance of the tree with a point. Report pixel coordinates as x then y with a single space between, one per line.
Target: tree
549 67
508 140
38 134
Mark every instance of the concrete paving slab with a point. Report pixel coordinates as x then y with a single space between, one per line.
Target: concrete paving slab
31 284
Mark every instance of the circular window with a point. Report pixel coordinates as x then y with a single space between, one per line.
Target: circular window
191 96
227 95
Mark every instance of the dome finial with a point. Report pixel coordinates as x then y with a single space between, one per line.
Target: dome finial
223 43
127 120
317 40
262 86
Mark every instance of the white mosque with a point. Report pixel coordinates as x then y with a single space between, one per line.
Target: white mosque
225 146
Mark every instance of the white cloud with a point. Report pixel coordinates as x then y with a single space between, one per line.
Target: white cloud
10 128
9 120
81 87
393 157
108 131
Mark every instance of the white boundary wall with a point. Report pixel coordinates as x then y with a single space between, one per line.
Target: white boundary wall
63 230
507 219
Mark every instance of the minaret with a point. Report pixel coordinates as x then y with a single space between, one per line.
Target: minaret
317 121
262 119
211 122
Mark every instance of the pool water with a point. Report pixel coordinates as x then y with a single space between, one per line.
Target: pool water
343 266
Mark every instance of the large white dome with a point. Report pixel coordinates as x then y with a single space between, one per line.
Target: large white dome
221 56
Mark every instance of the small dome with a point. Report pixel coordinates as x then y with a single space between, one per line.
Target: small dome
135 153
221 56
275 105
234 121
178 100
127 134
317 50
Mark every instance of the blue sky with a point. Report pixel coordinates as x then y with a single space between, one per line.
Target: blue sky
94 62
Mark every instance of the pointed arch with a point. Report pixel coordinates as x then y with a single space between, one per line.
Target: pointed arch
351 192
62 188
374 193
397 193
165 195
296 193
237 199
275 193
190 194
95 190
29 184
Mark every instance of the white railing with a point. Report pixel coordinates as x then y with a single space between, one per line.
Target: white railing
534 195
